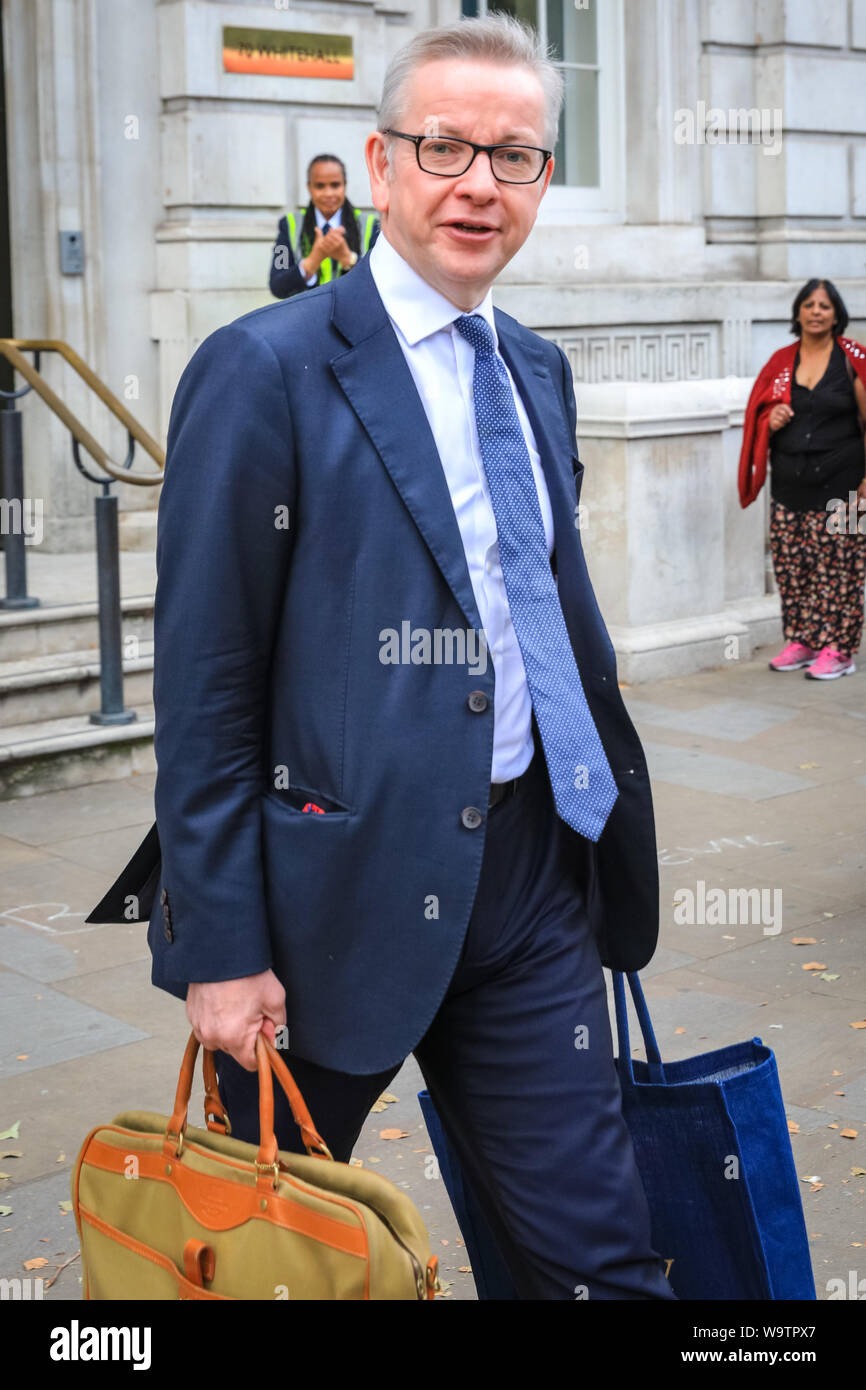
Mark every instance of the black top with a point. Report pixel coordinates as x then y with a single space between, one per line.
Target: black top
819 454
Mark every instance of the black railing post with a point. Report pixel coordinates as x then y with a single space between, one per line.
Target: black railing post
110 630
12 459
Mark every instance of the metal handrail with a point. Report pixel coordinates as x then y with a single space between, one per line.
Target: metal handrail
13 349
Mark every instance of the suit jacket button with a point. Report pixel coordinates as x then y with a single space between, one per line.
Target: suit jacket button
477 702
471 817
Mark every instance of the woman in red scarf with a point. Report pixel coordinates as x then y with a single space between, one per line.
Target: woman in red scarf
807 409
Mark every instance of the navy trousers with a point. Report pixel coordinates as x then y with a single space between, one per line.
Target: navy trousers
519 1064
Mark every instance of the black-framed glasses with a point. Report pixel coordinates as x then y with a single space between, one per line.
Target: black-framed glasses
448 157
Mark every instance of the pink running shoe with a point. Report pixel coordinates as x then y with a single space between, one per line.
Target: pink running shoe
794 656
829 665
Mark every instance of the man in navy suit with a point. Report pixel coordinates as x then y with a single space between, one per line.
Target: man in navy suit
400 803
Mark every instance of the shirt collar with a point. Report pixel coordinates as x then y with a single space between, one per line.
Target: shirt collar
414 305
334 221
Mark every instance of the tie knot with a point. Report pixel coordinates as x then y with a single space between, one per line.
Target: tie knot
326 228
477 331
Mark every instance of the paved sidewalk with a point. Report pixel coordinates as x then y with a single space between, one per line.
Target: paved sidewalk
760 782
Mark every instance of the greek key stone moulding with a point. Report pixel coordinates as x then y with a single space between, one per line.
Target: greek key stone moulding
651 354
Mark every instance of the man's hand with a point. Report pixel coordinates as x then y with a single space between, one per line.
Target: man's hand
228 1015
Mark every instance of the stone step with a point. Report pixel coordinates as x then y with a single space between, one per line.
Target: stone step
58 685
55 753
68 627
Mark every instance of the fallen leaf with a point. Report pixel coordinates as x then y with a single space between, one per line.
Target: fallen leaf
729 938
848 1133
388 1098
816 1187
5 1175
861 1023
422 1151
837 1073
828 914
11 1153
811 1178
825 976
11 1133
65 1206
61 1158
838 1093
5 1211
356 1162
679 1030
803 941
377 1106
813 965
832 1126
464 1269
22 1056
793 1127
805 765
370 1159
858 1172
444 1242
35 1264
393 1134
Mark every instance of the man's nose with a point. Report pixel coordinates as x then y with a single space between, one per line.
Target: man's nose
478 178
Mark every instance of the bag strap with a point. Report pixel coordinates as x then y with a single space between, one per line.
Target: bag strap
654 1061
269 1064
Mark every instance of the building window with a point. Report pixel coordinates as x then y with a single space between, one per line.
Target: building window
584 39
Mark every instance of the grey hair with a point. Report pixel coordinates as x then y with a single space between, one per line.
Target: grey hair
493 38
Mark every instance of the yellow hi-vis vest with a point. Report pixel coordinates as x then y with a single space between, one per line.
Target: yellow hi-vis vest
326 268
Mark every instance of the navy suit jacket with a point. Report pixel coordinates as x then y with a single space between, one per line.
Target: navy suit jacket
304 511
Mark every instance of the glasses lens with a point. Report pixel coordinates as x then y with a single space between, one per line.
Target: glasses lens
444 156
511 163
515 164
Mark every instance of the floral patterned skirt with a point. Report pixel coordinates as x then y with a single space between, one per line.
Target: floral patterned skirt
821 576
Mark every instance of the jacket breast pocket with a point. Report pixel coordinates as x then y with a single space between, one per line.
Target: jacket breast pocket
295 799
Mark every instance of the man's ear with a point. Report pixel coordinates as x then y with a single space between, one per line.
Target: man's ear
377 168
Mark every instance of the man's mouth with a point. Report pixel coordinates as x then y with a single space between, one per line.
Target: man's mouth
478 229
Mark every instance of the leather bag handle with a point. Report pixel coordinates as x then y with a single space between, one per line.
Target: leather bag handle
269 1063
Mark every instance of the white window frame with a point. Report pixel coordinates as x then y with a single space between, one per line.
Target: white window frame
566 203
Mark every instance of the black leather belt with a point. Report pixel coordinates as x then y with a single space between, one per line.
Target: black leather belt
501 791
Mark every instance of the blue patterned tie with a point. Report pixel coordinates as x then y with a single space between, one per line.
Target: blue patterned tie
583 786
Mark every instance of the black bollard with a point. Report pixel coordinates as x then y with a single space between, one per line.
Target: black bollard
110 631
12 457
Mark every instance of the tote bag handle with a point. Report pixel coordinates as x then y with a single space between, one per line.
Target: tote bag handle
654 1061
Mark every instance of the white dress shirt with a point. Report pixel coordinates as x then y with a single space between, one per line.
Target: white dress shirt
442 364
335 221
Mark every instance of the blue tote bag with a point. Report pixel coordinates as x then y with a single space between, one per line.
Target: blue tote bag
714 1155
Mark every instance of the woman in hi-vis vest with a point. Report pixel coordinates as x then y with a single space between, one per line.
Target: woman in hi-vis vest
325 239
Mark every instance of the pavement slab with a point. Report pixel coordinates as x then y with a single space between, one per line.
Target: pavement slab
737 808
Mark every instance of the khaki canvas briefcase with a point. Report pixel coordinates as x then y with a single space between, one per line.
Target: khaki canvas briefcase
167 1211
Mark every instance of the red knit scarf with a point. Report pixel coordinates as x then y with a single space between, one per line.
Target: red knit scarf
772 387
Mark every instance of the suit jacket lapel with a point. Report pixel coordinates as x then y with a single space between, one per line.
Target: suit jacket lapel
379 387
